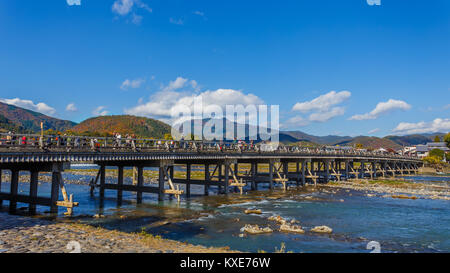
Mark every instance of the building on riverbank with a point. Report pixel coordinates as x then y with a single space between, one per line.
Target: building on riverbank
423 150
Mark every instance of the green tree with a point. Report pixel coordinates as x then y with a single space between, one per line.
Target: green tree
447 139
432 160
436 153
437 139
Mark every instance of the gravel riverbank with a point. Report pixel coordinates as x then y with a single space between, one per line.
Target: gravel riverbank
395 188
19 234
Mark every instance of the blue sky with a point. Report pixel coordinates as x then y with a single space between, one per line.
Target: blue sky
327 63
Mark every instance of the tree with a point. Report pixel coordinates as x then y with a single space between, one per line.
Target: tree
359 146
432 160
168 136
447 139
437 139
436 153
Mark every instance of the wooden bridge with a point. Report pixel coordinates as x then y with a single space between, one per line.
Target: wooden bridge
265 163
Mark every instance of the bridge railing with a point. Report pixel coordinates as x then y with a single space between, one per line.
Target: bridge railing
24 142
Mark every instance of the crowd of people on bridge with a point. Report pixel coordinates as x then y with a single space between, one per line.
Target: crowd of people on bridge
129 141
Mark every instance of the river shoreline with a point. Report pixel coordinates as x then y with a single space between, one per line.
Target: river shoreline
394 188
20 234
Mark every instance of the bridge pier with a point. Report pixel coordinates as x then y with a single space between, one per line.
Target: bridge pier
1 200
161 183
102 184
362 169
327 170
220 177
207 179
254 172
120 185
271 167
14 186
304 172
188 180
34 175
140 183
226 177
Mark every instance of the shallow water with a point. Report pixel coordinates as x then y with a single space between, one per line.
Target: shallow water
399 225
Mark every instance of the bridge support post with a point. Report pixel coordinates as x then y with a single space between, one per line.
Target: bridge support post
207 179
327 170
297 171
286 169
102 183
236 173
161 183
1 200
226 178
120 184
304 172
254 171
188 180
135 176
14 190
347 168
361 170
374 170
54 194
271 166
140 184
34 175
220 177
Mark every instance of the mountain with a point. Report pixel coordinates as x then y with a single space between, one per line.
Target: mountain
23 120
7 125
123 124
301 136
409 140
393 142
371 142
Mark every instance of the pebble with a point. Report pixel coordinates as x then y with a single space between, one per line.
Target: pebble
23 234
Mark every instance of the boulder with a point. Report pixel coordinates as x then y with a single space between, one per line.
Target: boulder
322 229
255 229
291 228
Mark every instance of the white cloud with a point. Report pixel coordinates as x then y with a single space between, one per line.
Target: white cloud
374 131
136 83
71 107
28 104
437 125
125 7
326 116
324 107
100 111
199 13
136 19
295 122
176 21
322 103
170 98
73 2
122 7
178 83
383 108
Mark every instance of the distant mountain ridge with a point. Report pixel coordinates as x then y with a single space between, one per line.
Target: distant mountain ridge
393 142
24 120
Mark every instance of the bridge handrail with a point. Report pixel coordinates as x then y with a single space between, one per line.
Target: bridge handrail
76 143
